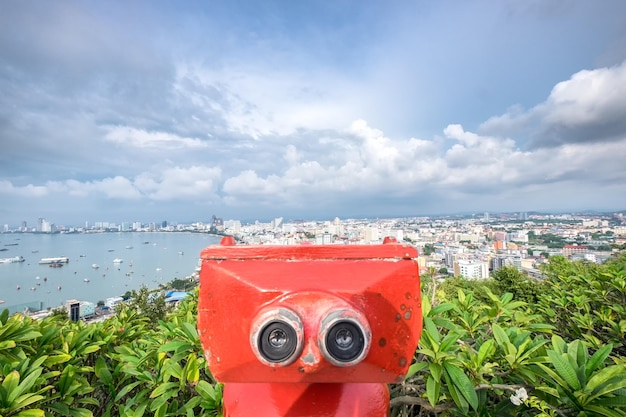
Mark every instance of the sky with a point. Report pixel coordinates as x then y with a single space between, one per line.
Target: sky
147 111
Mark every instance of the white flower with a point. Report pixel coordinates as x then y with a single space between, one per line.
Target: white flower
519 397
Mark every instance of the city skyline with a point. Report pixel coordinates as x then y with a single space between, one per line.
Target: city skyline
135 224
315 110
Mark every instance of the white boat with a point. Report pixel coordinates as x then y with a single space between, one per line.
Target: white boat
117 261
11 260
59 260
95 266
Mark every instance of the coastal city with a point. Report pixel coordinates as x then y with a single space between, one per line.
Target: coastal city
470 246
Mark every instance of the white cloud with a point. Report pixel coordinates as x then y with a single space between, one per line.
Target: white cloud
117 187
258 102
367 165
140 138
589 107
588 97
30 190
192 183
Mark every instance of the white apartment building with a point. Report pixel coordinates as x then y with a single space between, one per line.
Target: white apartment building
471 269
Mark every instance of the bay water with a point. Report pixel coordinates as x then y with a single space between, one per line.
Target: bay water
144 258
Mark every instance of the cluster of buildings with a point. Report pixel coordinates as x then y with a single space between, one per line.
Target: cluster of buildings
471 246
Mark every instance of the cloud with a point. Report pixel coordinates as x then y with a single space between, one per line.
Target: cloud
30 190
192 183
367 168
142 139
315 108
590 107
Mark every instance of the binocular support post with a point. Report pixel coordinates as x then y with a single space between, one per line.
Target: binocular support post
306 400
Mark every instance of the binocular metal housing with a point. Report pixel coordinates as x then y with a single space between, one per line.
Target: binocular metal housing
309 313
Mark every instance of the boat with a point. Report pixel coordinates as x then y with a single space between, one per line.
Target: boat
61 259
117 261
86 279
11 260
55 264
95 266
129 247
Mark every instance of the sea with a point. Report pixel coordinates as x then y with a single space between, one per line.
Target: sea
142 259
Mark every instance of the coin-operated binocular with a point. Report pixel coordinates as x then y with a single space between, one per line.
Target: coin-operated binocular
315 330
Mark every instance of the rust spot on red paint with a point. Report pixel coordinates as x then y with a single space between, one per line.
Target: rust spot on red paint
382 342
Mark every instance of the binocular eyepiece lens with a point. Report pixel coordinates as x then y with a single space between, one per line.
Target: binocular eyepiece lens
277 341
345 341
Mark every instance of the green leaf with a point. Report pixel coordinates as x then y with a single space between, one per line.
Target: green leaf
7 344
163 388
415 368
462 383
126 389
603 377
426 307
441 308
174 346
60 408
431 330
614 384
603 411
432 390
191 369
25 400
191 331
558 344
81 412
612 402
102 371
435 370
57 359
25 385
90 349
66 379
33 412
486 350
598 359
564 368
458 399
10 383
500 335
139 411
206 390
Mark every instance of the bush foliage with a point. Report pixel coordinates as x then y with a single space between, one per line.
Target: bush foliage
508 346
